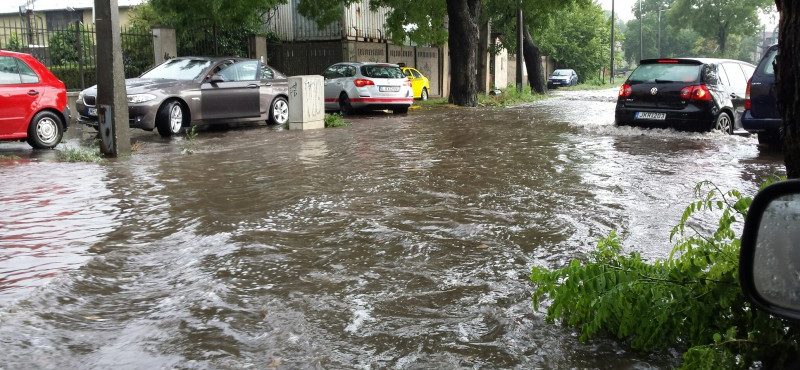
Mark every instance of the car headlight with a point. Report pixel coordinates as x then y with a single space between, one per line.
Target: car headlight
80 96
140 98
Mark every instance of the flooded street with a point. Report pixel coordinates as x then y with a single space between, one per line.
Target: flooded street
400 242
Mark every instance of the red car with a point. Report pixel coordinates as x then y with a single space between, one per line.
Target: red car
33 102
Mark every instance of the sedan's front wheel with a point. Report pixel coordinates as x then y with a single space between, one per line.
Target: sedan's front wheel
724 123
279 113
424 95
169 119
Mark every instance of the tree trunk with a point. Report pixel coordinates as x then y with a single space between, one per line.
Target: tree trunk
788 84
463 44
533 64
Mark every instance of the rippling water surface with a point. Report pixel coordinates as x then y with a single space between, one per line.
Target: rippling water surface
399 242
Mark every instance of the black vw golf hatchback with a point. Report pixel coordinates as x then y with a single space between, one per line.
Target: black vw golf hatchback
693 94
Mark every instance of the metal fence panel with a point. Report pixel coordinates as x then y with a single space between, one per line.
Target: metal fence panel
304 58
70 51
212 40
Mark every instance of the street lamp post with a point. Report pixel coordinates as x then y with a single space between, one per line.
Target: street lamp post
660 54
641 39
611 74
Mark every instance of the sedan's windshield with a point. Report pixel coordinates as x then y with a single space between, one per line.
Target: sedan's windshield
561 72
381 71
666 72
178 69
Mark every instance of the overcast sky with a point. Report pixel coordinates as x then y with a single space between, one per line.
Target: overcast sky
622 8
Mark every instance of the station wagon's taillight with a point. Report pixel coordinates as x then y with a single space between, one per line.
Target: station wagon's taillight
696 92
747 94
361 82
625 91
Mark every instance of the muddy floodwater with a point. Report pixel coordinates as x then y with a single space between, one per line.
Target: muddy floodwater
400 242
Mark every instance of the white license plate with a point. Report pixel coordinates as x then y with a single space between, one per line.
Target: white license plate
388 88
91 111
651 115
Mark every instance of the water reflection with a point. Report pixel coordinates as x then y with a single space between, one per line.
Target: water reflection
399 242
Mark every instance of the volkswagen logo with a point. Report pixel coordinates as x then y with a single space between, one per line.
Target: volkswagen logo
654 91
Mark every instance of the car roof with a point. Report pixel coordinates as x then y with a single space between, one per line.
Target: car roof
691 60
369 64
213 59
9 52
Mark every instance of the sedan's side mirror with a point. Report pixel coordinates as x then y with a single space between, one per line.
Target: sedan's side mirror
216 78
769 261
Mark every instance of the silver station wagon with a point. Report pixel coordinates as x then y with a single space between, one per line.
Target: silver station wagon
352 86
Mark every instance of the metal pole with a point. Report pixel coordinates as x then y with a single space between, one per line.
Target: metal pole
660 55
641 39
520 36
611 73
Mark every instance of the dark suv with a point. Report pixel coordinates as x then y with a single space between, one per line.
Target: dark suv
696 94
761 115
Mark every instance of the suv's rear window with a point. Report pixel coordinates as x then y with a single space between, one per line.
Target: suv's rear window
379 71
666 72
768 65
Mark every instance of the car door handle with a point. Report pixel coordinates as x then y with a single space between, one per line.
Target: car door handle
252 86
33 93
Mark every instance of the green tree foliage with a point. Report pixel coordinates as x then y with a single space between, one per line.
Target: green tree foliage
691 300
243 13
578 37
718 19
13 43
676 39
71 45
421 24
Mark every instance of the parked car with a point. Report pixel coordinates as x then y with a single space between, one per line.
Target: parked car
351 86
33 106
419 83
198 90
562 77
697 94
761 115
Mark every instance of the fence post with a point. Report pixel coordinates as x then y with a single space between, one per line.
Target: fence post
165 45
80 53
258 47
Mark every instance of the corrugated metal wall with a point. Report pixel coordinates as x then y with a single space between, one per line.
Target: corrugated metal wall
361 24
291 26
358 23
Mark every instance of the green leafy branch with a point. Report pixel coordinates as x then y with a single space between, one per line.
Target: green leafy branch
690 300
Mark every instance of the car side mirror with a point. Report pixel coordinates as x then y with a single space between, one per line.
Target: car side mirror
216 78
769 260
